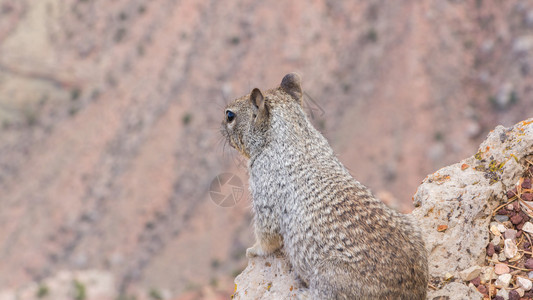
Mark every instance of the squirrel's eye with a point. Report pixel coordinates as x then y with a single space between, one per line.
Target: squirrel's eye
230 116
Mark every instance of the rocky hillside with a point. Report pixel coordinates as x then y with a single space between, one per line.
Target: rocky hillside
109 116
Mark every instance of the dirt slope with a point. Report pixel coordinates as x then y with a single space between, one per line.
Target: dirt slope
109 116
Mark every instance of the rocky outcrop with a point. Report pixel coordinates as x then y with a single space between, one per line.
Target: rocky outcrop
454 207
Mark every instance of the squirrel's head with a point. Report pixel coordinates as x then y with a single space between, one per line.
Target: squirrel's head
247 120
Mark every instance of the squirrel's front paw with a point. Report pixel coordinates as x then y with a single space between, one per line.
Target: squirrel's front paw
254 251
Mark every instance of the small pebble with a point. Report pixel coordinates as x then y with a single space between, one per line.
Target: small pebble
524 283
516 219
503 293
521 292
510 234
494 229
516 206
511 193
496 240
528 227
497 248
501 218
501 257
528 295
529 264
513 295
530 275
499 298
448 276
483 290
527 197
510 249
501 269
501 228
487 274
520 226
526 184
476 281
470 273
504 280
510 207
490 250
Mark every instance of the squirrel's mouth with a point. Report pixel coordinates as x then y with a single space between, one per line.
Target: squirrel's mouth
235 142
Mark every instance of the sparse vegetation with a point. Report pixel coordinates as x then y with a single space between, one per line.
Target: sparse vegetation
372 35
155 294
75 94
504 102
438 136
235 40
187 118
213 282
513 98
215 263
73 110
80 292
42 291
30 116
346 87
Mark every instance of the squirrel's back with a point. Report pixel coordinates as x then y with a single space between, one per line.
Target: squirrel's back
340 239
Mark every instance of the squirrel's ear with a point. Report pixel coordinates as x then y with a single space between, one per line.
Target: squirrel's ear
291 84
257 99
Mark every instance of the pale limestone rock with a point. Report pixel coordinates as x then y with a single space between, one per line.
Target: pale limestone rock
528 227
470 273
501 269
503 293
456 291
495 230
504 280
448 276
464 196
487 274
524 283
510 249
267 278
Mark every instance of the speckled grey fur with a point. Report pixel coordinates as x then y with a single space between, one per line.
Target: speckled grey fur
341 241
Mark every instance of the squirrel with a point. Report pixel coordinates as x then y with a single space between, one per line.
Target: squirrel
342 242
